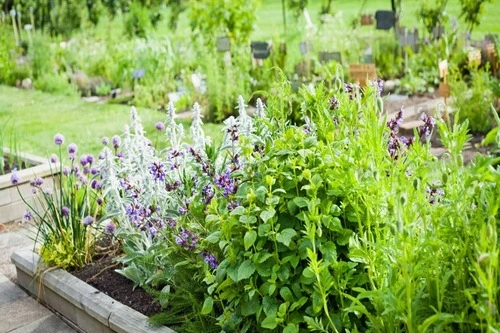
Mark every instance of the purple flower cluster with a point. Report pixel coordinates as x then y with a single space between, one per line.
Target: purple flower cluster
65 211
425 130
116 141
88 220
379 83
58 139
210 259
226 183
37 182
434 194
396 122
157 170
233 132
27 216
207 193
334 103
14 178
110 228
160 126
186 239
172 186
351 89
72 148
395 144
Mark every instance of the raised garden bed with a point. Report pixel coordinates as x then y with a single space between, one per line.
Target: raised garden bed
81 304
12 208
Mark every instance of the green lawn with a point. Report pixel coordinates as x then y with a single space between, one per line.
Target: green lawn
270 20
36 117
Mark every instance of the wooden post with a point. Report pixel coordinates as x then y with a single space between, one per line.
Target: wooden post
444 87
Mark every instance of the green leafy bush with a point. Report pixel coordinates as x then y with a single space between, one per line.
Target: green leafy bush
472 99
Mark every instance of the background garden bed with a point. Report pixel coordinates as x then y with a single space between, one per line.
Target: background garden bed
12 208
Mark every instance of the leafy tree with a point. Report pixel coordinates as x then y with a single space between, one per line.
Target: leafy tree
432 13
471 11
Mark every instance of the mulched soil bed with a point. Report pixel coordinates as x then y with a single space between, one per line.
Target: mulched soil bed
101 275
7 168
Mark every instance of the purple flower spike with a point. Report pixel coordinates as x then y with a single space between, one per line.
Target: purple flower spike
210 260
72 148
65 211
15 179
88 220
116 140
425 130
110 228
334 103
160 126
58 139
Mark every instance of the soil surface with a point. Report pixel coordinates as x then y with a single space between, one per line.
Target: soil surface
407 103
8 167
101 275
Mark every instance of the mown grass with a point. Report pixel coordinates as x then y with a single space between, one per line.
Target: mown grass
270 19
36 117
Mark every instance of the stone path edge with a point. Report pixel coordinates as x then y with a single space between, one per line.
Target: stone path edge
78 302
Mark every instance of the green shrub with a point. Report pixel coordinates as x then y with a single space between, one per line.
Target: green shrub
472 99
56 83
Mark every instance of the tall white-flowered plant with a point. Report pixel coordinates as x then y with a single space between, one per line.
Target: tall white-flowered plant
173 131
245 122
196 131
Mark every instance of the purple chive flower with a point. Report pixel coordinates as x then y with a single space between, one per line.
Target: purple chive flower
425 130
65 211
90 159
72 148
27 216
160 126
86 170
95 184
182 210
105 141
116 140
119 155
88 220
66 171
99 201
334 103
83 160
48 191
58 139
101 156
38 181
94 171
53 158
210 259
157 170
14 178
72 157
110 228
153 231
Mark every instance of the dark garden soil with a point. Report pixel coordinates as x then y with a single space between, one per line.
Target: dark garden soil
101 275
9 165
